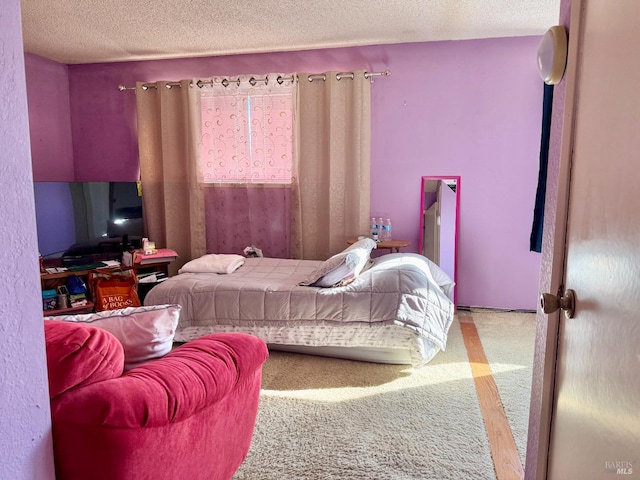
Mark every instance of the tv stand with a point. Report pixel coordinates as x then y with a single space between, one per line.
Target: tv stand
99 251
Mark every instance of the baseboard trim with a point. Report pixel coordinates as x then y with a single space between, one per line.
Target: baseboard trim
492 309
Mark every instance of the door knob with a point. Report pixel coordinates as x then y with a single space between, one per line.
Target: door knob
551 303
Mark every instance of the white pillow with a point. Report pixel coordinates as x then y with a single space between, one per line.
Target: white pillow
145 332
342 267
214 263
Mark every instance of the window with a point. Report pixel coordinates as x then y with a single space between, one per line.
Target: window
247 134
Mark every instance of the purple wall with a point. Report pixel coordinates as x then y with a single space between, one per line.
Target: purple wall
54 213
26 449
472 109
49 119
468 108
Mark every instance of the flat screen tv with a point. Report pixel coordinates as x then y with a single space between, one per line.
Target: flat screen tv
83 222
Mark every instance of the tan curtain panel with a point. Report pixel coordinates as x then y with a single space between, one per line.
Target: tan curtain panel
168 122
334 163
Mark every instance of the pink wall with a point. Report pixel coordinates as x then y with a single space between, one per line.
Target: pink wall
26 450
49 119
468 108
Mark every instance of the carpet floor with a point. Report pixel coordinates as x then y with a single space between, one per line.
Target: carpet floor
323 418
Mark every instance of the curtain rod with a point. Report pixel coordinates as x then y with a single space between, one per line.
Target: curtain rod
253 80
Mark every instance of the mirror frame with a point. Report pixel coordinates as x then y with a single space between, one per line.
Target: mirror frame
456 225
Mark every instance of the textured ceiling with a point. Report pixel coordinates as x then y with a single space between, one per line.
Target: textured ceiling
90 31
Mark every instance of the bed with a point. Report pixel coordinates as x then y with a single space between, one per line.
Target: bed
397 309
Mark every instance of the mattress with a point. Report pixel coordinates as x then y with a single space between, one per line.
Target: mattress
394 305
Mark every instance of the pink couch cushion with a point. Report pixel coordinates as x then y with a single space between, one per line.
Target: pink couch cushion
78 355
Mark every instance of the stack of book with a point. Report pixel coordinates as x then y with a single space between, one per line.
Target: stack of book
78 300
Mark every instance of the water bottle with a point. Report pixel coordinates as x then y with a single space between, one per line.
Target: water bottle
374 229
380 224
386 236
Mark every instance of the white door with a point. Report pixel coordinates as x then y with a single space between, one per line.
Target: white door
595 429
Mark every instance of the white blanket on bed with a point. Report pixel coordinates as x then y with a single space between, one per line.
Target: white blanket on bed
213 263
398 290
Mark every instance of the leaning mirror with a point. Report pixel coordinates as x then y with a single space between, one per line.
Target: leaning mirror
439 211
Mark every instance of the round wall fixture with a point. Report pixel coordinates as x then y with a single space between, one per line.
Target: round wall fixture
552 55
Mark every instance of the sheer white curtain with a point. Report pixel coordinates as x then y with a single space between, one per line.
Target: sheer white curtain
334 123
172 196
249 162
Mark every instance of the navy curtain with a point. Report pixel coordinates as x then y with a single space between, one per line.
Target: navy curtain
535 241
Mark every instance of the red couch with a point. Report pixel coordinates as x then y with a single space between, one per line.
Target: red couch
188 415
